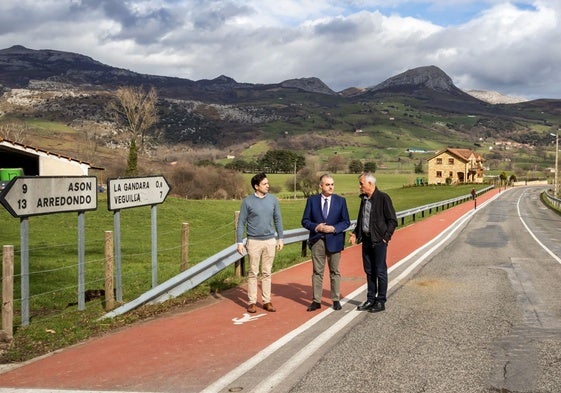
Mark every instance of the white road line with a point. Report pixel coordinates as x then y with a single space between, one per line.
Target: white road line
299 358
532 233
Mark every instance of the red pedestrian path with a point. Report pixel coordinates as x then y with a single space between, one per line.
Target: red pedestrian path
196 347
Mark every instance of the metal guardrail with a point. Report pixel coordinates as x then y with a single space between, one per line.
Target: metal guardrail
437 205
206 269
555 202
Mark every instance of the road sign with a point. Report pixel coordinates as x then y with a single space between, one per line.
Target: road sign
34 195
136 191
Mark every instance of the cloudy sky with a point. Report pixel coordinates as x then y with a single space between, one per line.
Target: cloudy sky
510 47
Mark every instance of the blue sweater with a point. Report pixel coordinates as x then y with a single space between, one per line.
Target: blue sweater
259 217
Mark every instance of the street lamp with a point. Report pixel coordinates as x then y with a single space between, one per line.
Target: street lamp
555 180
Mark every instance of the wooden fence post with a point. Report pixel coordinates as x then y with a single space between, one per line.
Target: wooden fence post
184 246
109 261
8 292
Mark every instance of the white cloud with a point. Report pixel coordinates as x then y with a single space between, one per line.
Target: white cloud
494 45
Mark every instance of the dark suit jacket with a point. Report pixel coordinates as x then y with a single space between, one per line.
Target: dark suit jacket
338 217
383 220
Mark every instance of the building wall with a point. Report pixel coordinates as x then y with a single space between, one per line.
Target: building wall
38 162
446 165
54 166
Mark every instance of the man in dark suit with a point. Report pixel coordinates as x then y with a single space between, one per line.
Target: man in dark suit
375 226
326 217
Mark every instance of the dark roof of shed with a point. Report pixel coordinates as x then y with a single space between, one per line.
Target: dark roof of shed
38 150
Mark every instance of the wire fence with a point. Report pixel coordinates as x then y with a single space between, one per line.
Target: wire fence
53 270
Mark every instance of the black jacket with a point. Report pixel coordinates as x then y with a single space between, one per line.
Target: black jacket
383 219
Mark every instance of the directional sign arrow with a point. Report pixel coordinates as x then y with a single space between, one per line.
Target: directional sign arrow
128 192
34 195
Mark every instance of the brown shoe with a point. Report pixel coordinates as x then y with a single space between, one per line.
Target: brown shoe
269 307
251 308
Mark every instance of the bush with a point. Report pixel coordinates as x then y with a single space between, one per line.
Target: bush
208 182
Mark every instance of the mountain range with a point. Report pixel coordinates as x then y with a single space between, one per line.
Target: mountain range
19 66
420 107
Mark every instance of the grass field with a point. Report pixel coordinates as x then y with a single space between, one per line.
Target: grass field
53 255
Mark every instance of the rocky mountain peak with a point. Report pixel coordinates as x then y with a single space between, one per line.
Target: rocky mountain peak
430 77
313 85
16 49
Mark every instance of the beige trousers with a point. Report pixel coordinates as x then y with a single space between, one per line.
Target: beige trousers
260 251
320 256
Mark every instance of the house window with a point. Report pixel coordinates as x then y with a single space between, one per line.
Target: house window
451 174
451 161
439 161
438 173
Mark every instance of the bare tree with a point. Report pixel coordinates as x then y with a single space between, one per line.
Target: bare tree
136 111
14 131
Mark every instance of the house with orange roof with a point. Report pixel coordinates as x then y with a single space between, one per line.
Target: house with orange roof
455 166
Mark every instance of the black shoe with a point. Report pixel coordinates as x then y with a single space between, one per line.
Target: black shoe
337 305
367 305
378 306
313 306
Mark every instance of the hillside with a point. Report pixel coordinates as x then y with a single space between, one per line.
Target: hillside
62 100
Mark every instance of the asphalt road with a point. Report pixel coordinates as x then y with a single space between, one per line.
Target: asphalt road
477 310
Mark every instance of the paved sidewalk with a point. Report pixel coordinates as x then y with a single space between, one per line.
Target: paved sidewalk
189 350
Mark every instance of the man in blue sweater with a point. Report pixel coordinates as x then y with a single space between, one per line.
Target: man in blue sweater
259 216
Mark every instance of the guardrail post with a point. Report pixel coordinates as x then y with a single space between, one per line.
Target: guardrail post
304 248
8 292
185 231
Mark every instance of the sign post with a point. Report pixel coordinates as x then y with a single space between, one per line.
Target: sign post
131 192
28 196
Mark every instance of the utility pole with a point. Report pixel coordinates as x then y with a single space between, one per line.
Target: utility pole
556 178
295 179
556 185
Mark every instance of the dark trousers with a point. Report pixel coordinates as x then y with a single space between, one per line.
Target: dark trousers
374 263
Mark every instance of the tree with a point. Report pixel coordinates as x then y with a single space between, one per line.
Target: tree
238 165
135 110
370 167
503 177
281 161
419 167
356 166
307 181
132 161
14 131
335 163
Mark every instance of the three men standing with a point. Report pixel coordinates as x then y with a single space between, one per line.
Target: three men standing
326 217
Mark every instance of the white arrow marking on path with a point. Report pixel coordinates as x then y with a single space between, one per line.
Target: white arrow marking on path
246 318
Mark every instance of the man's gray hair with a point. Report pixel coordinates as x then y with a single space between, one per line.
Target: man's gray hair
369 177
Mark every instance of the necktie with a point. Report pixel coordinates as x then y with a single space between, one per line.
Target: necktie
324 210
366 215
